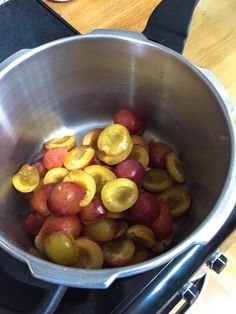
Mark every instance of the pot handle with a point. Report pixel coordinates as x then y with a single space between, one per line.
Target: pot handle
169 23
220 89
71 277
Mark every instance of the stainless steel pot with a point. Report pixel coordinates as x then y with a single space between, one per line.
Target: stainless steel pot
74 84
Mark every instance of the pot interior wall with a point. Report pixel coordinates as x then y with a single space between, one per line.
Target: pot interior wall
75 86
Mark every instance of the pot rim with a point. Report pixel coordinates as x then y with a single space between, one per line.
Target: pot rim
102 278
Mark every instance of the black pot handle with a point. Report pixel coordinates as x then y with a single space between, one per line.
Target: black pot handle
169 23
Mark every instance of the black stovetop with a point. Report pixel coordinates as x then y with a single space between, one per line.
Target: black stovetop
27 24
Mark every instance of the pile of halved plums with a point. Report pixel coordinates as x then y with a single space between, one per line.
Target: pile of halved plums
107 202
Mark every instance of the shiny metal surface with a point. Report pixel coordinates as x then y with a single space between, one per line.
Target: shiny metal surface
75 84
3 1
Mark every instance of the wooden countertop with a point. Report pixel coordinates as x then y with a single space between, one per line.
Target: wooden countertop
211 42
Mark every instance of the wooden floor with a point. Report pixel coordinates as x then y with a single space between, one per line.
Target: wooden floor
219 296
